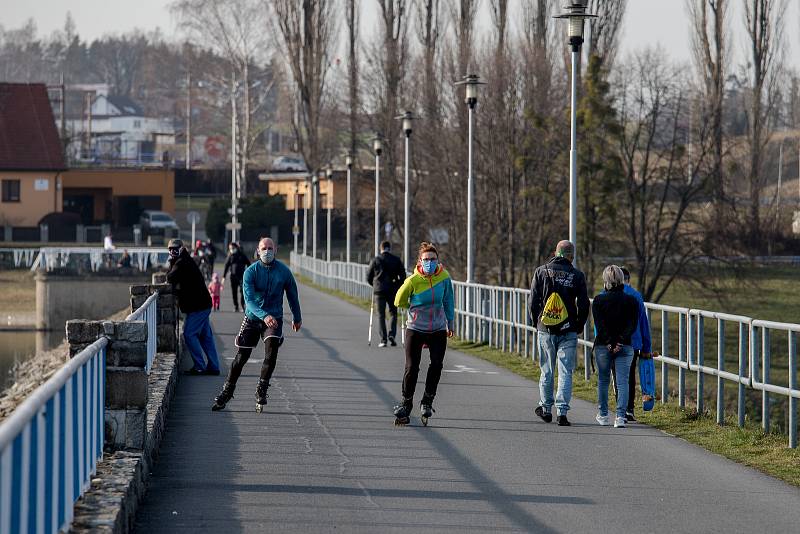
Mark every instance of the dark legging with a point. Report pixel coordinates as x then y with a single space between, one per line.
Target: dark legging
270 359
236 291
437 343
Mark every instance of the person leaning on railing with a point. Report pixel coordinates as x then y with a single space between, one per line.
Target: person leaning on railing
195 302
616 315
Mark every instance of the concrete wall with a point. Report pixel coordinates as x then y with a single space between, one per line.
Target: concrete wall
60 298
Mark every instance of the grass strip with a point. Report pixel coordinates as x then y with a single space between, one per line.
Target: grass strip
750 446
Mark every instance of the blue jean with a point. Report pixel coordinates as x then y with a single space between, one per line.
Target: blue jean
199 338
622 367
564 348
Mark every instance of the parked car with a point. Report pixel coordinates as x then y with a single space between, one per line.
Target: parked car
158 222
288 164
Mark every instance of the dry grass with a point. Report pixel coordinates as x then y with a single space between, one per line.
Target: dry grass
19 291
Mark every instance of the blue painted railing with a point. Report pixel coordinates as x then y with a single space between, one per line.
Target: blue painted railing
50 446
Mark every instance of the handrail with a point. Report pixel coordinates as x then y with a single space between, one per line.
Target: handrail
148 312
499 317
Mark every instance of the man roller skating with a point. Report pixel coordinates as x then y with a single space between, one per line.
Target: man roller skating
264 284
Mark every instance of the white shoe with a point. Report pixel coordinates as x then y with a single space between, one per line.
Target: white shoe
382 344
602 420
619 422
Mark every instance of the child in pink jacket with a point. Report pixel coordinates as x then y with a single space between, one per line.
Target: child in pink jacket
215 289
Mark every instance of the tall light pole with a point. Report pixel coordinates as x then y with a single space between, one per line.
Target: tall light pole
348 160
234 189
471 83
575 14
305 218
314 192
329 202
407 118
296 227
377 147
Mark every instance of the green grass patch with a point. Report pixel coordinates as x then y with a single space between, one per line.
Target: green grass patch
750 446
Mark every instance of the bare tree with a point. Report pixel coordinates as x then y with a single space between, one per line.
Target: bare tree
352 22
663 223
709 19
603 37
306 29
764 23
234 29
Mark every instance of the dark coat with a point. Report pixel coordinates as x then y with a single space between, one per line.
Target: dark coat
560 276
386 274
237 263
189 283
616 316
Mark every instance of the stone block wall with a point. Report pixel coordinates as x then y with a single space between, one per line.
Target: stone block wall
168 313
126 378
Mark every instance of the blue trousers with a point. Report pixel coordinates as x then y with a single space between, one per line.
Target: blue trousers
199 338
555 350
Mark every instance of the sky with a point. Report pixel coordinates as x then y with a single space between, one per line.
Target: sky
647 22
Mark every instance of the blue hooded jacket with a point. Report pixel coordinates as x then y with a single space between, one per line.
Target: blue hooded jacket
640 340
264 286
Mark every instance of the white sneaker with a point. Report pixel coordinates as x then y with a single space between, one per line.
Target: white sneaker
619 422
602 420
382 344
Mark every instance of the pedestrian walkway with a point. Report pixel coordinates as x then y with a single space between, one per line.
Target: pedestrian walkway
325 456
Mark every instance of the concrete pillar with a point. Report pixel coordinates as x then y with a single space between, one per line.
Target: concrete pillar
44 233
7 233
126 379
80 233
168 313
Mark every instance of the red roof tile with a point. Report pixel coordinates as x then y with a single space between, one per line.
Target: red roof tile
28 135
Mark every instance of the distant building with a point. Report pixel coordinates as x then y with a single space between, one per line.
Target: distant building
31 160
114 131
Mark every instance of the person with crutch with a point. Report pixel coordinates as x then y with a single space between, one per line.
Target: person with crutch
265 283
428 296
386 274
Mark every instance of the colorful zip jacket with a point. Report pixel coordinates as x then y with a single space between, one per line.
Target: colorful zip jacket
429 300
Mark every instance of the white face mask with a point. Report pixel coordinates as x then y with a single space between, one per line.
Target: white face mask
266 256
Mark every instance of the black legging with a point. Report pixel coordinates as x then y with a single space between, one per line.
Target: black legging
242 355
437 343
236 291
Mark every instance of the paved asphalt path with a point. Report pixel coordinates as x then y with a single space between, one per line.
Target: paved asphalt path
325 456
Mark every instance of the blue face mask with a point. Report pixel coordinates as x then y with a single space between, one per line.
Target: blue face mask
429 266
267 256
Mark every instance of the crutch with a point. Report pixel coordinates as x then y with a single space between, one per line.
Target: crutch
371 313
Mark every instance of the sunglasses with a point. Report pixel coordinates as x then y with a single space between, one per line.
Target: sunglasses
176 249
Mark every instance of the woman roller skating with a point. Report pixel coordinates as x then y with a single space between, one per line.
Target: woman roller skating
428 296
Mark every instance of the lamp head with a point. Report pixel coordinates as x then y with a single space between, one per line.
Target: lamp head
575 13
471 83
377 145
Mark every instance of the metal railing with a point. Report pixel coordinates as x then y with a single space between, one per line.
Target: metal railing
50 446
50 258
148 312
500 319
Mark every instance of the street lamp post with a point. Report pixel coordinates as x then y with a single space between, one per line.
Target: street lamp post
575 14
234 189
348 159
377 146
296 228
470 83
305 219
329 202
314 192
407 118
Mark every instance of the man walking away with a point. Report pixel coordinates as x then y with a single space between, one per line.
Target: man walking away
641 343
195 302
236 263
265 283
560 306
386 275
